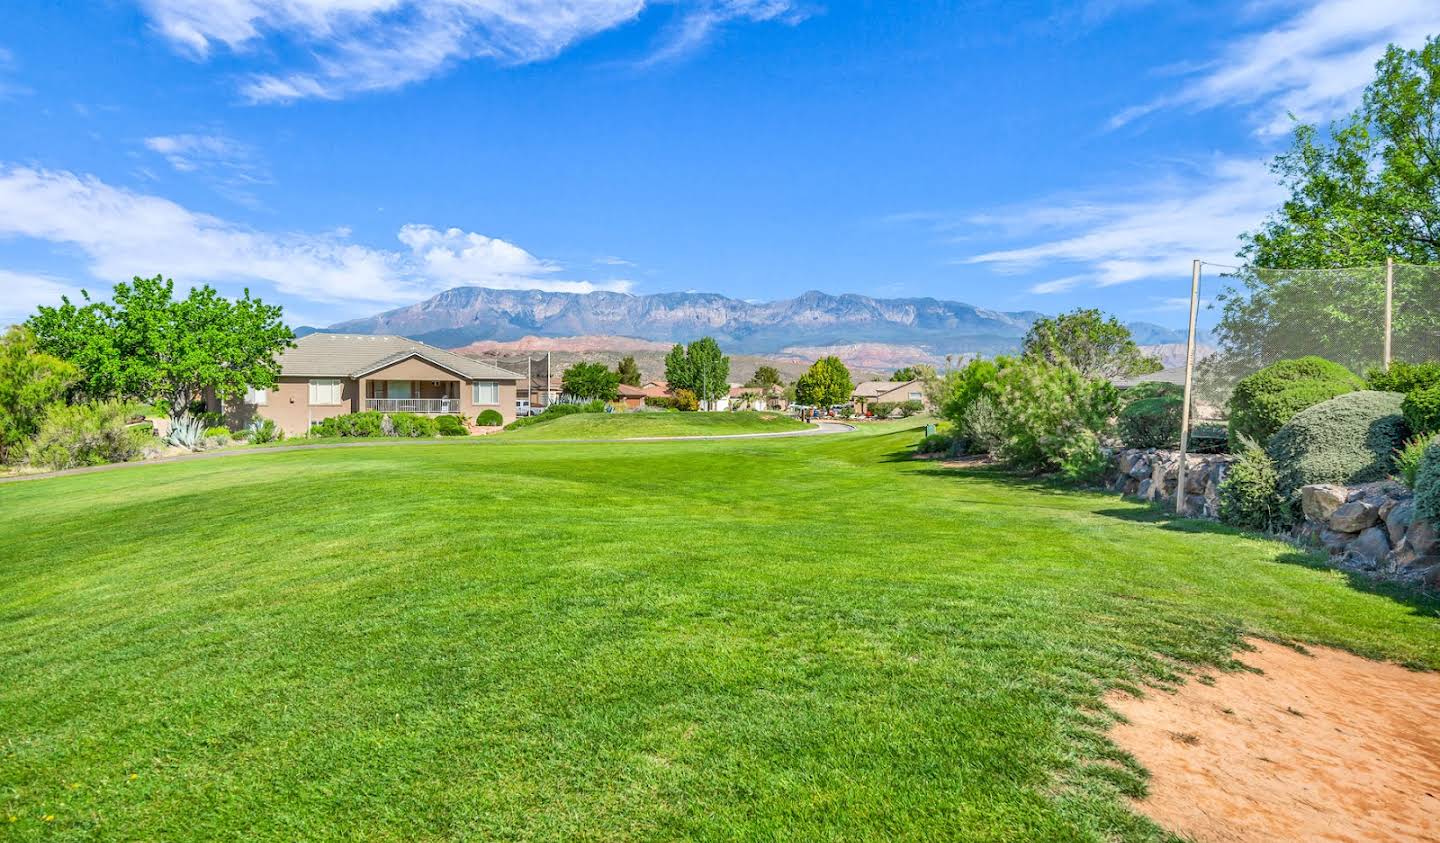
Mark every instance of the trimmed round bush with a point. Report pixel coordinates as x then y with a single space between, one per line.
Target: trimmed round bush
1272 396
1404 377
1151 422
1422 410
1249 494
489 418
1427 484
1349 439
450 426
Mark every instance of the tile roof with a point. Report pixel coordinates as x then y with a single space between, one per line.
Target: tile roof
350 355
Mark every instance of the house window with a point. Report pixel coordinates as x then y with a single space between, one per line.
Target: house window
916 396
324 391
257 397
487 392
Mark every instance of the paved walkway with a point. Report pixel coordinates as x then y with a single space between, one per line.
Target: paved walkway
818 429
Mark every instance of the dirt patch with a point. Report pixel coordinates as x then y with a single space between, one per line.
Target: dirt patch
1326 746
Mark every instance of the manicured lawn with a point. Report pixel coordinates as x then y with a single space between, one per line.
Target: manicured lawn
637 425
806 638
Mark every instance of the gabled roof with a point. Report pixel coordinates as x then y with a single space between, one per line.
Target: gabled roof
627 391
355 355
874 389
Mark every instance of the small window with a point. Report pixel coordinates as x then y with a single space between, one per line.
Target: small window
324 391
257 397
916 396
487 392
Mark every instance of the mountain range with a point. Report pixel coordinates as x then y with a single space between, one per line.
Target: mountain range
467 315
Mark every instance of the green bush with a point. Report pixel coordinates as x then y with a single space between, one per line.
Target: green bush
882 409
910 408
1051 417
936 443
261 431
1081 459
1151 422
363 424
1151 389
1348 439
85 434
1408 456
981 427
489 418
1404 377
964 386
411 426
1209 438
555 411
1421 409
1427 484
451 426
218 432
1249 494
685 401
1264 401
663 402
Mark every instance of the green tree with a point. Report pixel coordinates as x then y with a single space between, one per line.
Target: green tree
30 382
628 370
1096 346
1368 191
700 367
918 372
825 384
765 377
591 381
146 345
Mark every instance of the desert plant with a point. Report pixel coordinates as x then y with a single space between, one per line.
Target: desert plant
72 435
981 427
451 426
262 431
1269 398
30 382
1348 439
1151 422
1249 494
1051 416
1421 409
1407 458
489 418
1427 483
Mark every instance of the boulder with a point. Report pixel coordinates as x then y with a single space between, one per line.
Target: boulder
1145 490
1319 501
1336 541
1307 533
1397 519
1139 469
1372 543
1354 517
1422 538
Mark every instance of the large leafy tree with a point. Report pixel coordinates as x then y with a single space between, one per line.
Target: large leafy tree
591 381
700 367
765 377
1097 346
825 384
918 372
628 370
30 381
146 345
1367 189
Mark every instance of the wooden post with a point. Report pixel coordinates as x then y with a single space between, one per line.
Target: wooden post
1189 386
1389 306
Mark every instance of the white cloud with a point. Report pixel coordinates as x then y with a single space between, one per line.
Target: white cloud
21 293
370 45
122 234
1315 63
189 152
1153 233
9 88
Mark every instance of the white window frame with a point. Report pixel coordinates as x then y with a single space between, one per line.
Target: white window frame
257 397
332 388
917 396
476 398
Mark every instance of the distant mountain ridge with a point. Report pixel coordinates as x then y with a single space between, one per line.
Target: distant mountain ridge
467 315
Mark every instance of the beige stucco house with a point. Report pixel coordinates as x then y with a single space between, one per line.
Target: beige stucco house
333 374
887 392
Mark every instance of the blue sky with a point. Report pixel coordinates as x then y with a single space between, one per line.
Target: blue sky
347 156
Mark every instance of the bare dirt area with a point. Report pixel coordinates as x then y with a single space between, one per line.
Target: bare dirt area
1324 746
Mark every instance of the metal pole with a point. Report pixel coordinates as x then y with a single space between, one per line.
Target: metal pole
1389 305
1189 385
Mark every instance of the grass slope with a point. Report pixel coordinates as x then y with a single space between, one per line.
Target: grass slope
637 425
809 638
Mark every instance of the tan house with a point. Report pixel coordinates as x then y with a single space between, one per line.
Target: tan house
334 374
887 392
755 398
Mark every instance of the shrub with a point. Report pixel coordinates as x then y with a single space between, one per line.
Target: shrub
1209 438
1151 422
1348 439
1050 416
685 401
882 409
555 411
1404 377
261 431
411 426
1427 484
1272 396
936 443
1249 494
1407 459
910 408
1151 389
1080 458
451 426
85 434
963 387
217 433
489 418
980 426
1421 409
363 424
663 402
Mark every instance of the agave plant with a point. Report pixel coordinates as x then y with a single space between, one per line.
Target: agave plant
187 431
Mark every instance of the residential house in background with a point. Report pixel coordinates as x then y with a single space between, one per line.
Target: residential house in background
329 375
755 398
887 392
632 397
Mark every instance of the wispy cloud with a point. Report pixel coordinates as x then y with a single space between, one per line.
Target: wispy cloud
21 293
372 45
231 167
1313 63
122 233
1152 232
611 260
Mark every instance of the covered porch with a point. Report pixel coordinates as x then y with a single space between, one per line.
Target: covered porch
425 397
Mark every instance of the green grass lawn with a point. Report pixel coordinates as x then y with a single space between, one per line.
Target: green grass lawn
637 425
806 638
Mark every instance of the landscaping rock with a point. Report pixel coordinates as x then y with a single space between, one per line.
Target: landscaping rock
1354 517
1397 519
1318 502
1146 489
1422 538
1139 469
1372 543
1336 541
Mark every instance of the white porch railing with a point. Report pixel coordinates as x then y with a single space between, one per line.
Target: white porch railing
424 406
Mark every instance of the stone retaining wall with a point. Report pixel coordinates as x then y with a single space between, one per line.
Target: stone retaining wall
1152 474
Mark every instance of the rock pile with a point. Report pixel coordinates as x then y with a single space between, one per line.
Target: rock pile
1371 528
1152 474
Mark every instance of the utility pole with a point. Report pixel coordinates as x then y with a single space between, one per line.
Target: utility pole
1189 383
1389 305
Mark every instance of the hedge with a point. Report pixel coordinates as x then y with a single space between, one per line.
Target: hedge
1348 439
1151 422
1249 494
1421 409
1266 400
489 418
1427 484
451 426
1404 377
